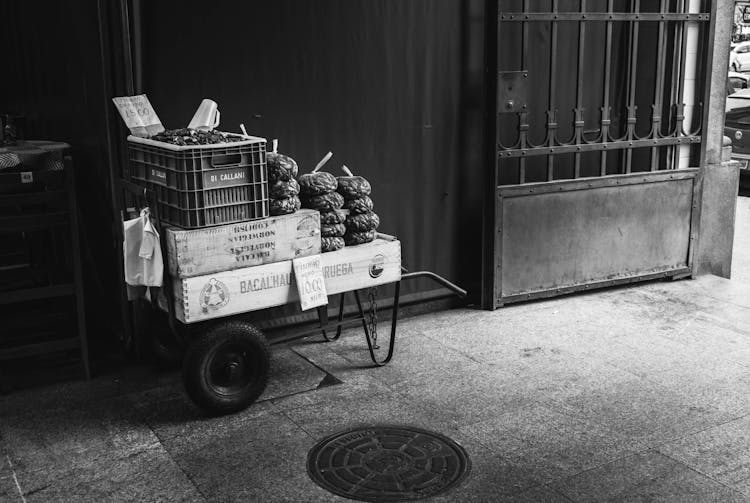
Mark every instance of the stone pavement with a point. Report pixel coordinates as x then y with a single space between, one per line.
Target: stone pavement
639 393
628 394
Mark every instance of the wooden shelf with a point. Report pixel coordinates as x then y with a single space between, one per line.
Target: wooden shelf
39 348
34 222
36 293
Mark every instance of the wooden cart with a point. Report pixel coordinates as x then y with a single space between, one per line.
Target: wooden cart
226 361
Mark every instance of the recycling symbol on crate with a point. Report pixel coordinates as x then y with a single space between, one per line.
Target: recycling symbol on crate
214 295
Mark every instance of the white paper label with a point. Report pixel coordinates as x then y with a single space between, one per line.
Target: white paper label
311 286
138 115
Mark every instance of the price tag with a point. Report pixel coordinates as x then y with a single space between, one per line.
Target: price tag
308 274
138 115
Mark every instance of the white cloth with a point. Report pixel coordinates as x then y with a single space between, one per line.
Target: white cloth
144 265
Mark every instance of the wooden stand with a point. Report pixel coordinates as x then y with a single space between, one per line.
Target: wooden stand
41 262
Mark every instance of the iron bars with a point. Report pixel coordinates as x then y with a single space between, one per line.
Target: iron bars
621 73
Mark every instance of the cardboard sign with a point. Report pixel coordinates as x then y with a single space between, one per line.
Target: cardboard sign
311 286
138 115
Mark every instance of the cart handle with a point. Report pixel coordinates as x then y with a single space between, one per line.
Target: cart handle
436 278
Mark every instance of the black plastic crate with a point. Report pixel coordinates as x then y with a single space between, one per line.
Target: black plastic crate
204 185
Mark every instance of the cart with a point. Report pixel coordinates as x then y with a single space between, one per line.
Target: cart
226 361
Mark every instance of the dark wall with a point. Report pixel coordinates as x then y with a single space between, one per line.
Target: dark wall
53 73
392 87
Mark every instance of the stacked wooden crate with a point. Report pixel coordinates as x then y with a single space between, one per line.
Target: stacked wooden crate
231 269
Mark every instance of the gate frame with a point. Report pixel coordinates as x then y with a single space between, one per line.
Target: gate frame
711 142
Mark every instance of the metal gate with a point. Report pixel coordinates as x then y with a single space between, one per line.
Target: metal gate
596 142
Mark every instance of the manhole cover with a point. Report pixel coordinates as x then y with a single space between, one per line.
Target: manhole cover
387 463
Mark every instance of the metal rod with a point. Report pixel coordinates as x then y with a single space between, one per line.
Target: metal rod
658 90
438 279
524 66
579 121
552 122
591 147
605 121
557 17
632 66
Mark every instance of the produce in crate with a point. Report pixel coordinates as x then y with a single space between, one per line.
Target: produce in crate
284 206
328 244
362 222
330 201
358 238
186 136
283 189
280 163
332 217
332 230
360 205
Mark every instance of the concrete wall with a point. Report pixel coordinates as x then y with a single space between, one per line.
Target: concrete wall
719 176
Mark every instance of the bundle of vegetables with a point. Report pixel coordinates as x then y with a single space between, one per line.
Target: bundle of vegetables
318 191
282 184
361 221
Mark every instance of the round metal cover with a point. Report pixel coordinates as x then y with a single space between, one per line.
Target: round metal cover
387 463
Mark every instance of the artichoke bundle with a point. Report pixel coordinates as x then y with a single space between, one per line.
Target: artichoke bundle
282 184
318 192
362 221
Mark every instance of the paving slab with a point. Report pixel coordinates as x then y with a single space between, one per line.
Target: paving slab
147 475
721 452
648 476
548 444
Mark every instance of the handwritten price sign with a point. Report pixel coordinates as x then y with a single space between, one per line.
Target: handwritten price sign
311 286
138 115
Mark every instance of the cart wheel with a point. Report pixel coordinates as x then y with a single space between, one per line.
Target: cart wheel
226 368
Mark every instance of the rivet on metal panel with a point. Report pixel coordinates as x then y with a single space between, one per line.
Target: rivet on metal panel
604 145
611 16
523 152
578 148
552 150
555 16
583 16
527 16
511 17
590 185
531 190
525 75
630 143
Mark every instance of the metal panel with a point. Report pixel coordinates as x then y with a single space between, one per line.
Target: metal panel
552 241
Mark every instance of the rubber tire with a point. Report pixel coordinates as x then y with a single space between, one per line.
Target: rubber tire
195 370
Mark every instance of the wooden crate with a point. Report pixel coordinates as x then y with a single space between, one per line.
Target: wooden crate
252 288
214 249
